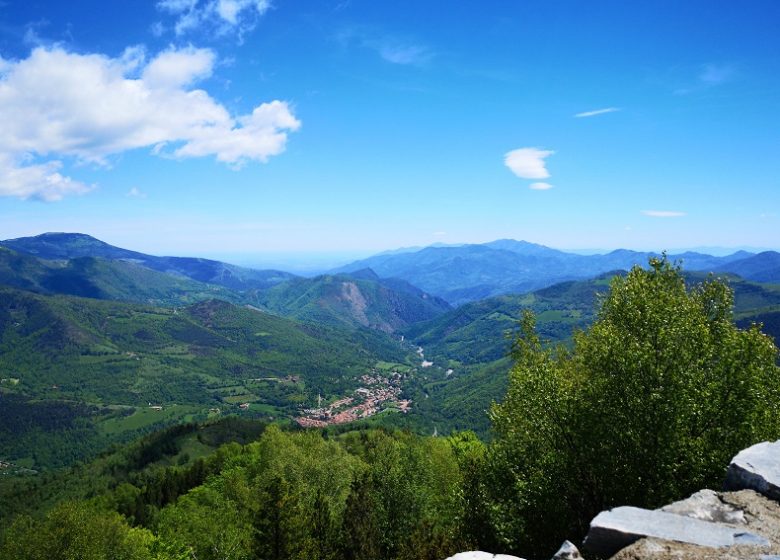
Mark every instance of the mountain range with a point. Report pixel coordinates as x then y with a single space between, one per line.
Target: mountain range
91 333
459 274
456 274
80 265
54 246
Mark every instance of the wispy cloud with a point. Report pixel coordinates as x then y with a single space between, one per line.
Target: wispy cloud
663 213
597 112
217 17
528 163
135 192
405 54
131 103
391 49
540 186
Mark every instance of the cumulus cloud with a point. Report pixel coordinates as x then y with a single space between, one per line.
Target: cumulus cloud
540 186
663 213
215 16
41 181
597 112
528 163
175 69
56 104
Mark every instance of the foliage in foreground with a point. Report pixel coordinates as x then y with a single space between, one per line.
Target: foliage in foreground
364 495
649 405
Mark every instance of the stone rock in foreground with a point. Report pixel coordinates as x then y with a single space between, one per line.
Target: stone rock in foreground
567 552
479 555
756 468
707 505
612 530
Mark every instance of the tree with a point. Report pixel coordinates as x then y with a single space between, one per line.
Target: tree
649 405
75 530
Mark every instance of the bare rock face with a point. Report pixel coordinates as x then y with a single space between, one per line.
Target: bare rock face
612 530
707 505
479 555
756 468
567 552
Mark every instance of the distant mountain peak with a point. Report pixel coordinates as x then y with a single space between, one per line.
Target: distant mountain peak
364 274
520 246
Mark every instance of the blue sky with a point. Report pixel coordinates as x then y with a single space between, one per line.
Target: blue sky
238 128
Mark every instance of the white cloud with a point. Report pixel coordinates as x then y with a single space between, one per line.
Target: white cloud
178 68
214 16
135 192
41 182
540 186
261 135
663 213
176 6
56 104
597 112
528 163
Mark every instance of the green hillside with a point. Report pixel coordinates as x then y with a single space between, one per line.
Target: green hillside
353 301
90 371
472 342
480 332
64 246
99 278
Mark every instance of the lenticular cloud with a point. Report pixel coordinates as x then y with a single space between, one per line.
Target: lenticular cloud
528 163
56 104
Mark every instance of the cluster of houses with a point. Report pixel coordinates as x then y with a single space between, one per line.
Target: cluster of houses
377 394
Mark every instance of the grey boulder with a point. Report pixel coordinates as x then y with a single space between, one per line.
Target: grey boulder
567 552
707 506
479 555
756 468
612 530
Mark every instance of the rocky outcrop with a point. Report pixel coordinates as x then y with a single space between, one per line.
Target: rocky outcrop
741 523
567 552
707 505
756 468
479 555
613 530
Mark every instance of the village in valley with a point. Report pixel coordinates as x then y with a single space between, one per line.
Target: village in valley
374 395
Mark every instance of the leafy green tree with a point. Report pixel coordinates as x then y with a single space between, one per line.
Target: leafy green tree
360 533
75 530
475 527
649 405
208 525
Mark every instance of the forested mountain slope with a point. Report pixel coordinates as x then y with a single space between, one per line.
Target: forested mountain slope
75 245
357 299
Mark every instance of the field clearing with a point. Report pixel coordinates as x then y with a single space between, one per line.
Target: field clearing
144 417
